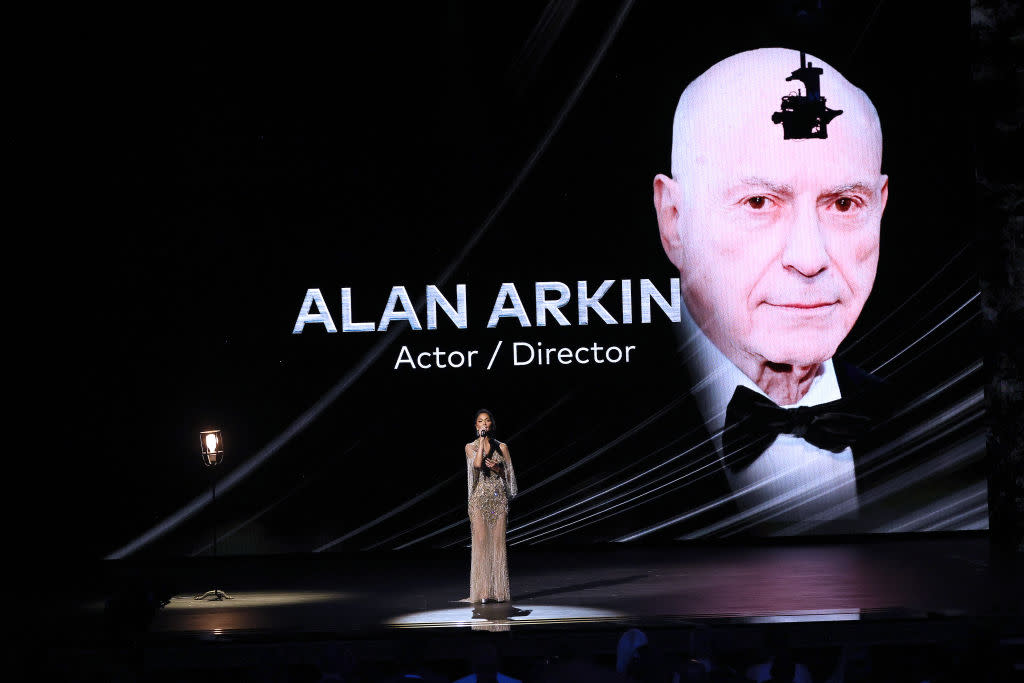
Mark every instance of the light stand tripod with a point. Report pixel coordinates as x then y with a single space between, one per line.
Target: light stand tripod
213 453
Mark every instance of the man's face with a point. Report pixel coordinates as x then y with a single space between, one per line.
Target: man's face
776 240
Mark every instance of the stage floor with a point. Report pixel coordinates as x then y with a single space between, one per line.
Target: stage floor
360 595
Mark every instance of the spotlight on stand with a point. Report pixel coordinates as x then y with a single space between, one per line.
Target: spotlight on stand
211 445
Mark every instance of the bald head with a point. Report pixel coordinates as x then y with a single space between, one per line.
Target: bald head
731 104
775 234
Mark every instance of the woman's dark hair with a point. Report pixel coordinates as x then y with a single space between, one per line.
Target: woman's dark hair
494 425
494 428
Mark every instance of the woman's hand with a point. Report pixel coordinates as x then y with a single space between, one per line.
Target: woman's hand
492 464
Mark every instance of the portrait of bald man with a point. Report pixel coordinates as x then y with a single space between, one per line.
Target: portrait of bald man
776 239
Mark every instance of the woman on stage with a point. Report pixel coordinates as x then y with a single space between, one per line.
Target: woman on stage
492 483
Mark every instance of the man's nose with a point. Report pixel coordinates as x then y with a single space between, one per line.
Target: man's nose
804 251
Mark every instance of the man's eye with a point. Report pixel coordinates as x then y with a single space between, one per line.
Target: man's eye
757 202
844 204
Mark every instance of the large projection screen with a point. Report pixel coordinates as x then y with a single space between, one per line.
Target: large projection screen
336 243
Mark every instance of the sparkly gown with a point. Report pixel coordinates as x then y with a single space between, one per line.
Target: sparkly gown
489 493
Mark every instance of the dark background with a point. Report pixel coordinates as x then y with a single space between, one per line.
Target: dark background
203 179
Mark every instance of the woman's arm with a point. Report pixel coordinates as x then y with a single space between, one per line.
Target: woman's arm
510 474
472 473
478 459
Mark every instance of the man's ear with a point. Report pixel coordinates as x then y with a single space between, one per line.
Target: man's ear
885 191
666 206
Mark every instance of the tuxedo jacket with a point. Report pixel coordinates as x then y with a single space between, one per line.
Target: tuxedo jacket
904 462
660 477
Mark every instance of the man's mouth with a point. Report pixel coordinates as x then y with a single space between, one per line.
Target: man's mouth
803 305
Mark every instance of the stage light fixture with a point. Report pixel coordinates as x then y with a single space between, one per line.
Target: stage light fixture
212 447
211 444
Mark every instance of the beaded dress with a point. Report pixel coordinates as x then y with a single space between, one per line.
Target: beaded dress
489 494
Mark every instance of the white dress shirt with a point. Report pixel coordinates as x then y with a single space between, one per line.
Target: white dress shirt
792 480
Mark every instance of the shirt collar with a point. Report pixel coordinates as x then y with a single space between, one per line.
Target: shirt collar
716 377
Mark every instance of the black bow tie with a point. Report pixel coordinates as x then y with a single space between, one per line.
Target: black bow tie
752 422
